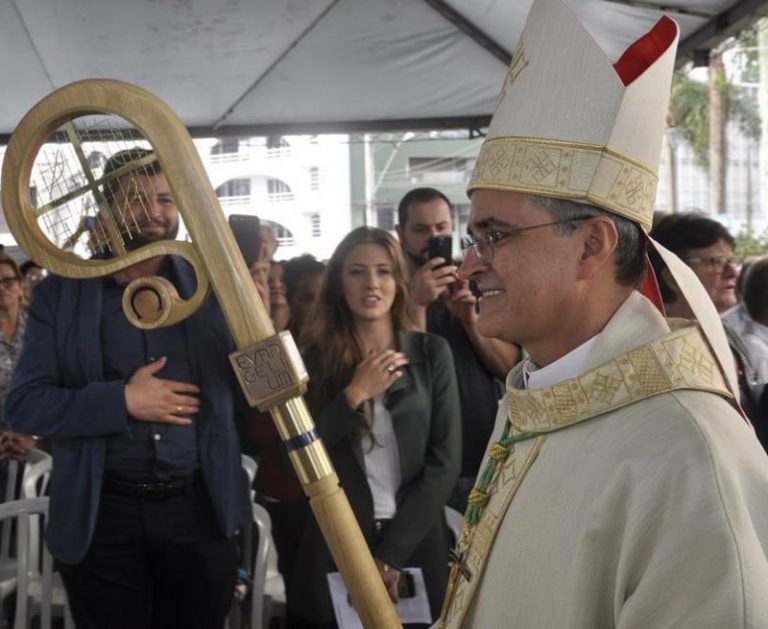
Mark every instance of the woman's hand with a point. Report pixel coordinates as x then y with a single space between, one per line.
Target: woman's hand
374 375
391 577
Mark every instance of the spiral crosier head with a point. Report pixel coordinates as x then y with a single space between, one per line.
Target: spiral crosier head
86 193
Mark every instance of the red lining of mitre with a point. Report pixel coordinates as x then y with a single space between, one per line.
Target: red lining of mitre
650 287
646 50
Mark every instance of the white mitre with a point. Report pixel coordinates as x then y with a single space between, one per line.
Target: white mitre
567 126
571 124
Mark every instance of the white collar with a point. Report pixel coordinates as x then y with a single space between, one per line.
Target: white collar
568 366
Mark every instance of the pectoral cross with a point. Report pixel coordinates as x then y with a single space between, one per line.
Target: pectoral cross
459 568
459 563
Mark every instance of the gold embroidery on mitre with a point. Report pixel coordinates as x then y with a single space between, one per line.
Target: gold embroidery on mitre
680 360
517 65
590 173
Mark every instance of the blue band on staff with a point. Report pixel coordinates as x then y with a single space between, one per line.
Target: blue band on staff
301 441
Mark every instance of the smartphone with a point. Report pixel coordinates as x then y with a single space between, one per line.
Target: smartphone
245 228
441 247
406 588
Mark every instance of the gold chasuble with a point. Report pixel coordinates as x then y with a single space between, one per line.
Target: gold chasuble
613 404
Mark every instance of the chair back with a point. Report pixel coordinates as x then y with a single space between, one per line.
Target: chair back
35 455
454 520
34 484
263 525
250 466
6 527
34 481
12 493
23 512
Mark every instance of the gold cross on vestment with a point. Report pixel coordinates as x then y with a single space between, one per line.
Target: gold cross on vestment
458 560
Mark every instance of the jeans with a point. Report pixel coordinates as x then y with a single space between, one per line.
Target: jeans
154 564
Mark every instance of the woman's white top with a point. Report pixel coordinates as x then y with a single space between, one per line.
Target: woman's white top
382 461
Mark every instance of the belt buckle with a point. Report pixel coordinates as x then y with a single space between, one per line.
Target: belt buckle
160 489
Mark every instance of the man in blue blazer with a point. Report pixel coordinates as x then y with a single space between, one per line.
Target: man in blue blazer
147 489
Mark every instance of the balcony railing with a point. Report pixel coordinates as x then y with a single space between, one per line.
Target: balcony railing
280 197
249 153
235 201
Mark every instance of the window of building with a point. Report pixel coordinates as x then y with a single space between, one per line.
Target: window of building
314 220
284 235
277 186
276 142
314 178
234 188
226 145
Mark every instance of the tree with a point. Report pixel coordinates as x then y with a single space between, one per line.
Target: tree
699 113
718 147
749 244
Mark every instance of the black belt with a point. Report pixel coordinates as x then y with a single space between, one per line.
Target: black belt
379 526
149 490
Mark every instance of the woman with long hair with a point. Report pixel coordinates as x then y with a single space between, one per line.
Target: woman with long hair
385 402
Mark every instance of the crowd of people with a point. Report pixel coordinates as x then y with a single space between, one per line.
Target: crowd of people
359 328
404 390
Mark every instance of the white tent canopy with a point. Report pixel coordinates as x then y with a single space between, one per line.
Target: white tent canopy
249 67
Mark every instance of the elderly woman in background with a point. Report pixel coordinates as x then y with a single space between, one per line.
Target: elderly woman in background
13 322
385 401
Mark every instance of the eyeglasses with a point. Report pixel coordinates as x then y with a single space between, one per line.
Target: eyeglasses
8 282
717 264
484 247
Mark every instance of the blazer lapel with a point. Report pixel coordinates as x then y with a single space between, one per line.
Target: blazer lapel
407 344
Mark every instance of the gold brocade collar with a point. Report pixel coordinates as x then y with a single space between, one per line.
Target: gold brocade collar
679 360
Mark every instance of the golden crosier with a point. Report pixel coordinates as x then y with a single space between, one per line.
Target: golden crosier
218 264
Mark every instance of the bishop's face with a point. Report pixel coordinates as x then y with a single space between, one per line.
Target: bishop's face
528 286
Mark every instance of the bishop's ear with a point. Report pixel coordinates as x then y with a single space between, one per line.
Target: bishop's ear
599 242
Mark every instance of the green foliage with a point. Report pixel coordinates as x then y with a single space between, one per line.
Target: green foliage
689 113
750 244
743 110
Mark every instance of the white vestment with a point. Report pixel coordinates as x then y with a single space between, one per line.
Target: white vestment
654 514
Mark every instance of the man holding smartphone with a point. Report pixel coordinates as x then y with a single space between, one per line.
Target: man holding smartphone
444 305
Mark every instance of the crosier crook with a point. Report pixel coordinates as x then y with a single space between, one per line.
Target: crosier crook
267 364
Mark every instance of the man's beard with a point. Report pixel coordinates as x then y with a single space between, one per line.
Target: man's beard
141 239
417 260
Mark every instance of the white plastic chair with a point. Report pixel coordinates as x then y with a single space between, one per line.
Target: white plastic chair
251 467
24 512
7 561
34 485
454 519
12 493
267 596
268 589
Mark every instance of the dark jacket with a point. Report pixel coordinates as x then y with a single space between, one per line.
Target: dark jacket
424 405
58 392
